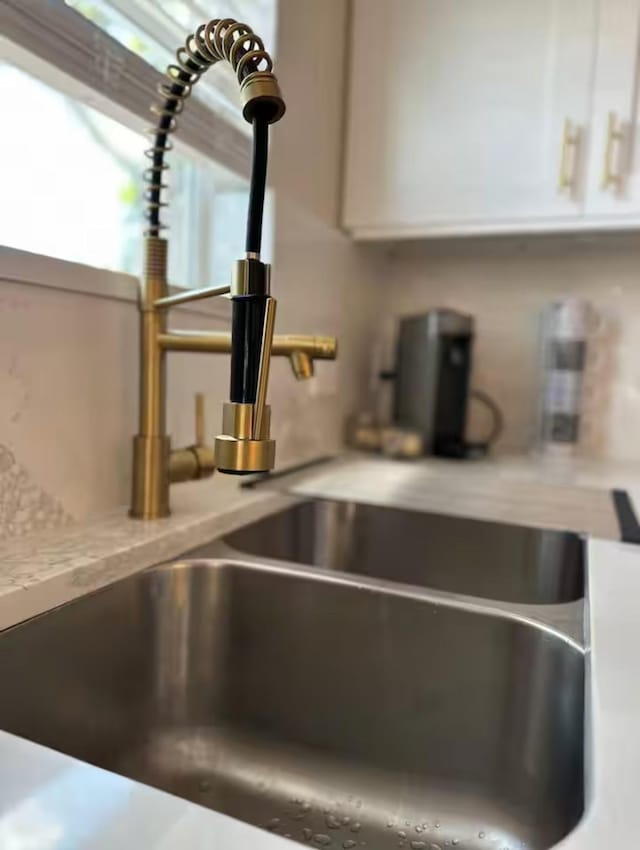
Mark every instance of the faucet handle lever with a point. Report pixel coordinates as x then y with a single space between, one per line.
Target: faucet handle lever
196 461
188 295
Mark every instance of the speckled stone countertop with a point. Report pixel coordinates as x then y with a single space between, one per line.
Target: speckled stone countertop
47 569
44 570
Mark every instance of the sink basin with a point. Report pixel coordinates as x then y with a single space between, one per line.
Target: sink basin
335 712
466 556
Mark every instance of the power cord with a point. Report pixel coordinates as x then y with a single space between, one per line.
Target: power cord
481 448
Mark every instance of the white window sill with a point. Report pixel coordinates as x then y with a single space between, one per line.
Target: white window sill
38 270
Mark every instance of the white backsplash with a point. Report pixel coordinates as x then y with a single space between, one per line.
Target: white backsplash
504 284
68 380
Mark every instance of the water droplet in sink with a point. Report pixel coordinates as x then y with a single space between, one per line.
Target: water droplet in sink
407 823
356 827
322 839
273 824
455 842
402 834
481 834
435 847
419 828
307 833
302 812
346 819
390 824
437 824
348 844
332 822
418 845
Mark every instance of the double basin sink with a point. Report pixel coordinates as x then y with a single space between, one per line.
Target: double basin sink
344 675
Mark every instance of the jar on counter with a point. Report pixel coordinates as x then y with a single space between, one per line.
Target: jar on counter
566 327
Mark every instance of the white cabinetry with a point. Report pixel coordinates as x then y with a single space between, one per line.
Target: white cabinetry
492 116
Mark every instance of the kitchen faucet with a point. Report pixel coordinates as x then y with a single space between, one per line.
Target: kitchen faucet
245 446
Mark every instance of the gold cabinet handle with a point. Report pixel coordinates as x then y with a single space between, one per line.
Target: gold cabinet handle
615 136
568 156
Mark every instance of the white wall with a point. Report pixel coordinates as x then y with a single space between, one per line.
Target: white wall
324 283
69 361
68 384
505 284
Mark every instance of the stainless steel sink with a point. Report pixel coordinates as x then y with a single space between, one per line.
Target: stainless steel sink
338 712
486 559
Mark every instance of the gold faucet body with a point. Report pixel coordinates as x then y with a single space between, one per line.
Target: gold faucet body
245 444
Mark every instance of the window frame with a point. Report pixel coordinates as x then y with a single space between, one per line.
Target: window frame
56 44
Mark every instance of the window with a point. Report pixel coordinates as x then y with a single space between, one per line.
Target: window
73 151
80 197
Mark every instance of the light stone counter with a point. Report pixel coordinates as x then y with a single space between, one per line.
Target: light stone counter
573 497
49 801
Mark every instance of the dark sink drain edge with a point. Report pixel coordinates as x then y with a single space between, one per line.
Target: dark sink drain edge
627 519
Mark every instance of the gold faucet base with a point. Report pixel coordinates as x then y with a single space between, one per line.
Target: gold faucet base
150 486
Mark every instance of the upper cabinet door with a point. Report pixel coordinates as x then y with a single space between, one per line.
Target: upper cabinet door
614 161
466 116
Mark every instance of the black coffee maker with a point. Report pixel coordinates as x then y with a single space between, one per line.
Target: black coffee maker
432 382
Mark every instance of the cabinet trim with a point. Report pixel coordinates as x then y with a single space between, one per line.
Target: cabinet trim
368 233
